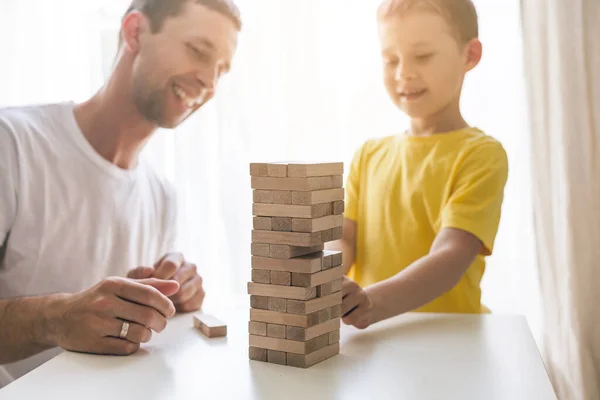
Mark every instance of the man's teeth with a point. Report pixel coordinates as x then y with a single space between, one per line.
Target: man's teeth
191 102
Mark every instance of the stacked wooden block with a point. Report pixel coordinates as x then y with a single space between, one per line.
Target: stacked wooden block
295 293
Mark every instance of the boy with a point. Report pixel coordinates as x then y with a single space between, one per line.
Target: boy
423 207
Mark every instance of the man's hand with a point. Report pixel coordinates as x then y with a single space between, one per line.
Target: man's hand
91 321
357 308
173 266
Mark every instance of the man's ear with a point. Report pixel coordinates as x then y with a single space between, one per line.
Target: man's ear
474 52
133 26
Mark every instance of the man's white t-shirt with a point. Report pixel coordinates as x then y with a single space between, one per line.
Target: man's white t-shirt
68 217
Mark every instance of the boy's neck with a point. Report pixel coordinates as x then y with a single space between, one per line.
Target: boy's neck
446 120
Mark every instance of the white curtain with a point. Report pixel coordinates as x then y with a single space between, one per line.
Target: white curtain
306 85
563 70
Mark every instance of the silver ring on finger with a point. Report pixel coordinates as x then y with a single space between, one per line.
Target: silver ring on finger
124 330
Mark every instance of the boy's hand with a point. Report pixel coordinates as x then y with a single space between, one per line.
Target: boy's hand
357 307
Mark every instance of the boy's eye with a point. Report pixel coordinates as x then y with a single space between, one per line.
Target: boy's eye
424 57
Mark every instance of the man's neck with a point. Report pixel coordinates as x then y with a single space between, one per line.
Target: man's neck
112 124
446 120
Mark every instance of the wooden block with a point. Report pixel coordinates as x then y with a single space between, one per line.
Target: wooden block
285 252
281 278
334 336
277 170
257 354
257 328
260 302
282 224
329 288
260 249
303 334
315 169
310 306
272 317
272 196
327 259
277 304
300 239
286 292
289 346
326 236
336 311
262 223
317 196
316 279
338 207
308 360
324 315
336 233
259 169
261 276
276 357
336 258
305 264
292 211
209 325
297 184
316 224
276 331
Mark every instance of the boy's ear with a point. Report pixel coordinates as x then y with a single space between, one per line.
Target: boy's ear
474 51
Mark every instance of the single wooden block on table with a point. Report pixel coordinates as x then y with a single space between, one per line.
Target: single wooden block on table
286 292
315 169
289 346
257 354
303 334
295 306
262 223
317 196
281 278
285 252
272 317
261 302
261 276
338 207
282 224
276 357
297 184
292 211
299 239
260 249
310 225
308 360
257 328
209 325
272 196
276 331
308 264
319 278
277 304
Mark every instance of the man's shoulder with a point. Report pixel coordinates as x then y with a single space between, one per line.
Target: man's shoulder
19 121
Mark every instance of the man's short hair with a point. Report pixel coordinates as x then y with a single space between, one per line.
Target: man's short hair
158 11
461 15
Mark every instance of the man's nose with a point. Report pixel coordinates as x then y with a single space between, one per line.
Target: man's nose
210 76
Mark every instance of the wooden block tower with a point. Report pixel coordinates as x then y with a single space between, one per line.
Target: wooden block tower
295 293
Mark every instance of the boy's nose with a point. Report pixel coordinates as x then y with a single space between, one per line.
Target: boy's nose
403 72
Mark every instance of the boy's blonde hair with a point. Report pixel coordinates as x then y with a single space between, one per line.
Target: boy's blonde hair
461 15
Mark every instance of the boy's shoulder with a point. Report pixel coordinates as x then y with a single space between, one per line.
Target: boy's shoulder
478 144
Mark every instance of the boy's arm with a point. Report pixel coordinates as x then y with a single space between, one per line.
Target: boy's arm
347 244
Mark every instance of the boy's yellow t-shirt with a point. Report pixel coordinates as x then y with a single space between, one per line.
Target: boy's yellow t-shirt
402 190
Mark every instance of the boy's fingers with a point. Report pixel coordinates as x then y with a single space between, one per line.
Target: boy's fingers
348 286
349 302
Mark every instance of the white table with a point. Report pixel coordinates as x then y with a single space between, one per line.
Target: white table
413 357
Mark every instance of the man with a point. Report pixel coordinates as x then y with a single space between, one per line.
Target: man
78 206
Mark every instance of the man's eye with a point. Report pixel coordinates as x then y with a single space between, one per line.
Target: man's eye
200 55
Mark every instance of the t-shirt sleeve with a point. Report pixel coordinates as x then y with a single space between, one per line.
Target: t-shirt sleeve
476 200
353 186
8 181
